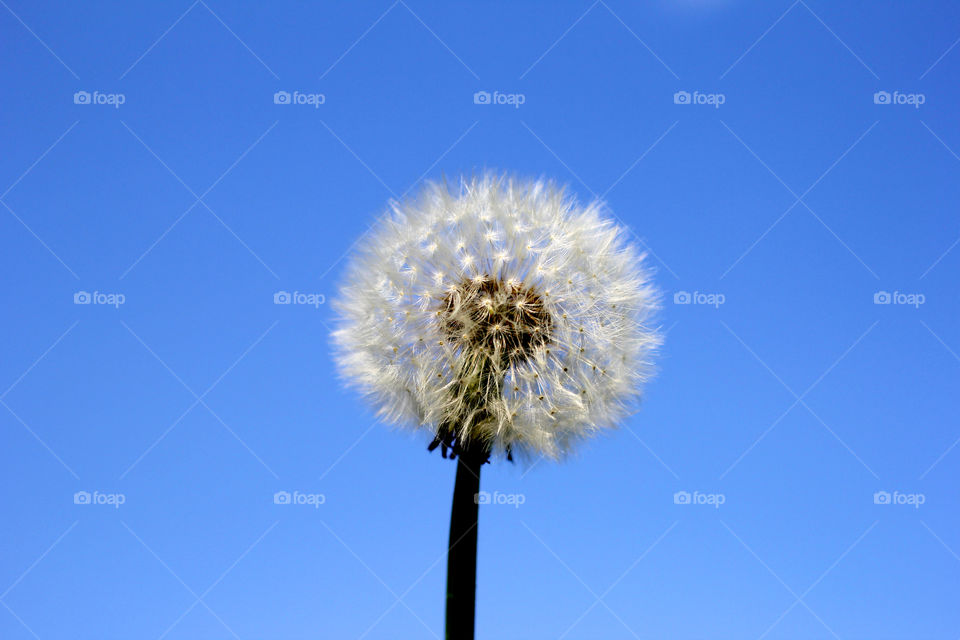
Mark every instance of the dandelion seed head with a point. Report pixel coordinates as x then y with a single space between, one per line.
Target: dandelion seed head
502 310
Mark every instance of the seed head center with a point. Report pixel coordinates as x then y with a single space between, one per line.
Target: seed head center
502 321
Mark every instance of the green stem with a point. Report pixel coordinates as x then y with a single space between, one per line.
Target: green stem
462 547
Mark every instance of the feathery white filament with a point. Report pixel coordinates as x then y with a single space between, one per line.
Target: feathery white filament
504 309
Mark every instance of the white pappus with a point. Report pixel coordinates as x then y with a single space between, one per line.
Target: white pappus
498 311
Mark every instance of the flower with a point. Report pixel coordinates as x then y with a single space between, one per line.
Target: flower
502 313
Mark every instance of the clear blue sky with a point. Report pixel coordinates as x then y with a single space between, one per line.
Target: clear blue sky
795 202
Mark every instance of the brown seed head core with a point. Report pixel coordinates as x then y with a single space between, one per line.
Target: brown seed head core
503 322
497 324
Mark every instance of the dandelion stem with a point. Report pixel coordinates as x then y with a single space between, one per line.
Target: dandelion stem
462 547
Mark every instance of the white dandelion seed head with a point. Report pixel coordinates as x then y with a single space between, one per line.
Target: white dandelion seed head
502 312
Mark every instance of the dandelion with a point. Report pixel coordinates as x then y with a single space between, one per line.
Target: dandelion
500 319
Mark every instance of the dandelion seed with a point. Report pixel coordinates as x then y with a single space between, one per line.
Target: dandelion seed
534 280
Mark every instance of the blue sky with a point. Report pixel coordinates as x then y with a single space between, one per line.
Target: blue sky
791 167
